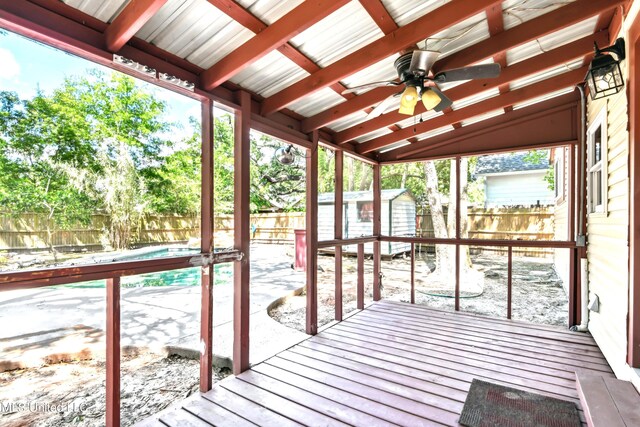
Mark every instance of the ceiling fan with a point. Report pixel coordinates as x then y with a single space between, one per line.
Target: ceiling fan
413 70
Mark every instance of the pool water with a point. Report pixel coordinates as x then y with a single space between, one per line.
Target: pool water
223 273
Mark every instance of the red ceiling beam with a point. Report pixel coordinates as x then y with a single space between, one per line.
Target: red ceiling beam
129 21
275 35
510 98
509 126
506 40
344 109
526 32
380 15
495 21
431 23
550 59
252 23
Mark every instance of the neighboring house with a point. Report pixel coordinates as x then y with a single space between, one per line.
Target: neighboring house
513 180
398 218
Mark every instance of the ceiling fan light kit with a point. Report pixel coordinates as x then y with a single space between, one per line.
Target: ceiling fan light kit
414 69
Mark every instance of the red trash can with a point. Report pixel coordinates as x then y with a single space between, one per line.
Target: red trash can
300 262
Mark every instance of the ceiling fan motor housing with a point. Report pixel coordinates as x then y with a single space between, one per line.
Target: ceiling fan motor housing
402 67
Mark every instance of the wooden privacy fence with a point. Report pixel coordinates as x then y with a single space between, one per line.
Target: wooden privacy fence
29 231
502 224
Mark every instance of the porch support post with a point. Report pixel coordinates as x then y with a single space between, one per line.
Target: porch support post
377 229
457 288
338 225
360 282
242 235
206 246
574 258
633 356
312 236
113 353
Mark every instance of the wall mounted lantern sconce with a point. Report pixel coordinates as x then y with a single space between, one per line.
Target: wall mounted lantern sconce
604 76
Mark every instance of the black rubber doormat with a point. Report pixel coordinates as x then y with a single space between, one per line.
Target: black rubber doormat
492 405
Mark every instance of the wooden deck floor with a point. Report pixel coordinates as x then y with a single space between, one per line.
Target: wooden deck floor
394 364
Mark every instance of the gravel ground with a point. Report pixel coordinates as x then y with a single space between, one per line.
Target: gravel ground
537 296
74 393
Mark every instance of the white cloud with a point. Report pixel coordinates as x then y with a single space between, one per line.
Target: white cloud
9 67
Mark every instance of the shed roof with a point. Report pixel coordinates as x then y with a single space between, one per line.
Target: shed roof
363 196
511 162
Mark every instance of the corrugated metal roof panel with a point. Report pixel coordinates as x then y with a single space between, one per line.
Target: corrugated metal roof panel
269 11
269 74
544 97
546 74
482 117
373 135
195 30
455 38
406 11
316 102
551 41
394 146
348 121
339 34
105 11
434 132
516 12
478 97
380 71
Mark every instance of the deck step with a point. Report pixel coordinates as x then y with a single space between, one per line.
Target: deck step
608 402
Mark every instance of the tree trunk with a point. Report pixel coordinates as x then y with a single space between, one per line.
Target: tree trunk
405 173
445 262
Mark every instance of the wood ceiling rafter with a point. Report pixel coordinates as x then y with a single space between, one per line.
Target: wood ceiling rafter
129 21
245 18
292 23
513 37
550 59
385 22
530 30
532 125
521 95
495 21
431 23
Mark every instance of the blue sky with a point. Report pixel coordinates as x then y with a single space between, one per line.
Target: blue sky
26 65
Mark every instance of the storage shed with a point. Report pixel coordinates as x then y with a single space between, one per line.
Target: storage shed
398 218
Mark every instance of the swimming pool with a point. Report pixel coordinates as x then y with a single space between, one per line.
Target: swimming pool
223 273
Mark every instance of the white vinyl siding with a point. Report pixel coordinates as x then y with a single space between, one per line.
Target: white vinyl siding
518 189
607 236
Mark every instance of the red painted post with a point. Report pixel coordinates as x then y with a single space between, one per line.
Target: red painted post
338 224
113 352
633 351
206 246
413 273
377 230
360 287
457 290
242 234
312 236
509 280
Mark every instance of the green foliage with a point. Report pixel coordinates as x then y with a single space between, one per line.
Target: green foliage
538 156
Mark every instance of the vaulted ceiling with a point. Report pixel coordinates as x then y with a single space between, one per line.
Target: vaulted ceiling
296 58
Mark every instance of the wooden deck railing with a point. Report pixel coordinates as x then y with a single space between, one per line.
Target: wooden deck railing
112 273
509 245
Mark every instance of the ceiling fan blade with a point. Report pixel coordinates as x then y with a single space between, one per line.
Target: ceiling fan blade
484 71
445 102
371 86
422 61
379 109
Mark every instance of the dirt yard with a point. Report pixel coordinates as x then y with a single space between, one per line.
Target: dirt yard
537 296
74 393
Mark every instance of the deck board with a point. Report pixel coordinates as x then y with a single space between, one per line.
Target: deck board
394 364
